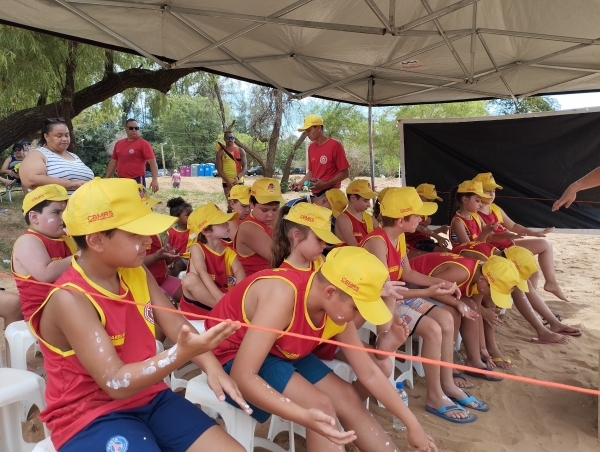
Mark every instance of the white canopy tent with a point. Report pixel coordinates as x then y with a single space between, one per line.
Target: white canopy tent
367 52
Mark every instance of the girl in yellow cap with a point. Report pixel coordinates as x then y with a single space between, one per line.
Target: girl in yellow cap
239 202
508 233
425 240
354 223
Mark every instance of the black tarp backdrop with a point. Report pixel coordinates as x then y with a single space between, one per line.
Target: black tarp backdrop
536 157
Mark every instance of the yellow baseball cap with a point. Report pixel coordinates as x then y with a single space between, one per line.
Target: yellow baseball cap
317 218
361 275
487 181
104 204
428 191
311 120
382 193
525 263
207 215
361 187
50 192
472 186
146 197
266 190
403 201
241 193
337 200
502 276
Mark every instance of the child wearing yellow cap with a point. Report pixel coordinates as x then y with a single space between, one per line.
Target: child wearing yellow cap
44 252
281 375
424 239
214 267
507 233
354 223
239 202
96 331
178 235
401 210
255 234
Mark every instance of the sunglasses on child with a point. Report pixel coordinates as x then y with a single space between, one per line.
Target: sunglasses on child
133 128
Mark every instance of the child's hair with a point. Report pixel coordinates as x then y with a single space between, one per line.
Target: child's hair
376 208
202 237
253 200
455 201
177 206
355 195
282 245
37 208
388 222
82 244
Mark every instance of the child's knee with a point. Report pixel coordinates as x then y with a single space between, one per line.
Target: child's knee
325 404
429 330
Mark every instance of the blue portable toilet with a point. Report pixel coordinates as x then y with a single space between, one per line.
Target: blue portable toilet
203 170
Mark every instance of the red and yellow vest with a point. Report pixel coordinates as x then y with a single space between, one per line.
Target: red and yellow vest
314 265
73 398
31 294
253 262
427 263
360 228
180 240
395 254
495 216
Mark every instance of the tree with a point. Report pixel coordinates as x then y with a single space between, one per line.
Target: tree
43 76
526 105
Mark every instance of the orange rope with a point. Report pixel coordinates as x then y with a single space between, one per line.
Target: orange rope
548 384
531 199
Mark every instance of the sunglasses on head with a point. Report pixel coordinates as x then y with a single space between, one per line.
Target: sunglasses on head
52 120
230 138
133 128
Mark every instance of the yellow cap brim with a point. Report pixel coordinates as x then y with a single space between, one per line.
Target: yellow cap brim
523 285
428 208
326 236
225 218
268 199
491 186
302 129
483 195
152 202
151 224
336 213
374 311
501 300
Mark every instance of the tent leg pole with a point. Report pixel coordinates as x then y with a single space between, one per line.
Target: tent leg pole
371 155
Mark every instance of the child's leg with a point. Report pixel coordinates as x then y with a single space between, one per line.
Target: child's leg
431 332
545 253
10 307
523 305
490 340
469 331
194 288
215 439
542 309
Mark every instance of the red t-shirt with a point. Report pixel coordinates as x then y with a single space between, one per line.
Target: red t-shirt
327 160
131 157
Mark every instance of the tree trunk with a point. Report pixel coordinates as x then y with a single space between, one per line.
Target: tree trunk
68 90
269 168
290 158
28 122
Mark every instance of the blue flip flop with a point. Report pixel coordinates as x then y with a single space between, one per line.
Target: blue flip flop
481 406
446 409
485 377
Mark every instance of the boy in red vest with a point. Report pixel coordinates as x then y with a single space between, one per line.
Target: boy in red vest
355 223
255 234
279 373
44 252
105 381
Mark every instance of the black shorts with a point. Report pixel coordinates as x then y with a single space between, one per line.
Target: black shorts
225 185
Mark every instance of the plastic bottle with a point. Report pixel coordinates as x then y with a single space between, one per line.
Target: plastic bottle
397 423
307 184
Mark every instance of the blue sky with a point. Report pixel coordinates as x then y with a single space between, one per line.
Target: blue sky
571 101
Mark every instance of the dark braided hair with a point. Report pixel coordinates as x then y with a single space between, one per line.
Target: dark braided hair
49 124
177 206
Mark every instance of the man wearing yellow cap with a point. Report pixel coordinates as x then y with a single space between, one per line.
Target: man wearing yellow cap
281 375
44 252
327 162
97 333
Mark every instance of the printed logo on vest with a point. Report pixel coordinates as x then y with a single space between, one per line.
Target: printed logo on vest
148 315
117 444
231 280
323 159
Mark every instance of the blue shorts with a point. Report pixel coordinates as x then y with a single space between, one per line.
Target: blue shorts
168 423
277 373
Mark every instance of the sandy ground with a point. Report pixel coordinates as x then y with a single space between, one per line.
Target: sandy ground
523 417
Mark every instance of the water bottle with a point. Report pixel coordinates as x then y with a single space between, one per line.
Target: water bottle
307 184
397 423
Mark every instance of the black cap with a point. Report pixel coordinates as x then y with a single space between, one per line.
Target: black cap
18 147
25 143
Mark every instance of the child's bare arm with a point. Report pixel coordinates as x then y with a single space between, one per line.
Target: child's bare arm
82 332
197 257
30 257
238 270
254 239
458 228
343 230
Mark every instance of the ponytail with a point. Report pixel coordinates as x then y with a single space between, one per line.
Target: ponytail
454 204
282 245
377 209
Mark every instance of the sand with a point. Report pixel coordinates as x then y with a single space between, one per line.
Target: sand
523 417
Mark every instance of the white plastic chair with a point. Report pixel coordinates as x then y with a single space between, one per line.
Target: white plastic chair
177 380
18 340
17 386
237 423
44 446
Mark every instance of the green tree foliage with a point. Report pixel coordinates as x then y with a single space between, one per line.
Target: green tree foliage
534 104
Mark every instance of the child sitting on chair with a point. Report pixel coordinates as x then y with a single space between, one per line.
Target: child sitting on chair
354 223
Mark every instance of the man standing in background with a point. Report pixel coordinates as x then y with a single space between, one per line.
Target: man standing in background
130 155
327 162
230 163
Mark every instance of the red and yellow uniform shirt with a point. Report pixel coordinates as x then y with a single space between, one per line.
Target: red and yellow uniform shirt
495 216
31 294
73 397
426 264
395 253
314 265
360 227
180 240
232 306
252 262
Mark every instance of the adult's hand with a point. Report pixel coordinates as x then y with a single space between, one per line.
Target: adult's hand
154 185
318 185
567 198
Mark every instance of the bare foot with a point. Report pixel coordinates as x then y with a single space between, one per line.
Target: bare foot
461 381
550 336
555 290
391 340
565 330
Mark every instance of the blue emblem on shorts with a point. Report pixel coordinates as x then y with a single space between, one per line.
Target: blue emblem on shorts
117 444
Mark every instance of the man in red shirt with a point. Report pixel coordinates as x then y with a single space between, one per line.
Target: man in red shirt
327 163
130 155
